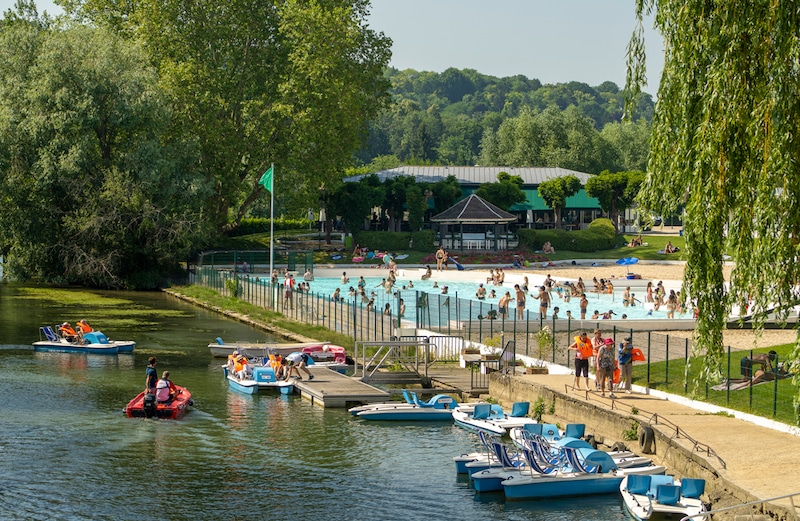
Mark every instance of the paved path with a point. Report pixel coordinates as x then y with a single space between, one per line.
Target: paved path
758 459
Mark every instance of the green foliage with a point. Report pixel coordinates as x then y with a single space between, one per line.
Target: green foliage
727 150
396 241
453 118
555 192
632 433
616 192
253 225
539 409
233 287
417 205
94 190
599 236
504 193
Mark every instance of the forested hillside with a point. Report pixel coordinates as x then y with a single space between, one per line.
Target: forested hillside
463 117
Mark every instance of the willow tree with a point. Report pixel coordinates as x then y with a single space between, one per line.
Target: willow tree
725 144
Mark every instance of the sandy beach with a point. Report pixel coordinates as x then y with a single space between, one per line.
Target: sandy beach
656 271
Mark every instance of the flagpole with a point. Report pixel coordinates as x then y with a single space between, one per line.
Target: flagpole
271 219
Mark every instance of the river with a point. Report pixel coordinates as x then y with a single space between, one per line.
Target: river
69 453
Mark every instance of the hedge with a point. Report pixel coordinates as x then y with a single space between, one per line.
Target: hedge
261 225
600 235
396 241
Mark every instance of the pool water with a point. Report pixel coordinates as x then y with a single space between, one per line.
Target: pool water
410 289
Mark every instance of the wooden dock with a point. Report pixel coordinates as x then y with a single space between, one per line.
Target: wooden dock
332 389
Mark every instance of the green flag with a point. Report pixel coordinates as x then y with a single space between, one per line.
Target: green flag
266 180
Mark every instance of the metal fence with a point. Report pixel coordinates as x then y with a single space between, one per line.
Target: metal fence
765 393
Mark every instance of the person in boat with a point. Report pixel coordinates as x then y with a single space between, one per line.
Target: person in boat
84 326
297 362
242 367
68 332
165 389
150 376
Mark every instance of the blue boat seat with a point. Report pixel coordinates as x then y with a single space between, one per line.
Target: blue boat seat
537 466
501 451
219 341
49 334
482 411
575 430
638 484
520 409
533 428
668 494
550 431
575 462
692 487
658 480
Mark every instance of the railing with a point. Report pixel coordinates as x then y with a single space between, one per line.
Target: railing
451 316
752 514
411 355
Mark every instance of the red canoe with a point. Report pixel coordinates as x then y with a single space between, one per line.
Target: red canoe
171 410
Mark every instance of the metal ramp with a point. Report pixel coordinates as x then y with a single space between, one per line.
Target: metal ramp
405 360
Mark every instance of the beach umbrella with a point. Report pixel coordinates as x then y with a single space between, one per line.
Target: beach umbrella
627 261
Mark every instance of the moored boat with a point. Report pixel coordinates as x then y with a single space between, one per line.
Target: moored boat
93 342
491 418
146 406
438 408
575 472
221 349
262 379
662 497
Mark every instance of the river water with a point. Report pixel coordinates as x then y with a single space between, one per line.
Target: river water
68 452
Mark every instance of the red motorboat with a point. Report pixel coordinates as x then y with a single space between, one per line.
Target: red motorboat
148 407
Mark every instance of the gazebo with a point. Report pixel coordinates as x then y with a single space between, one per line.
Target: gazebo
480 224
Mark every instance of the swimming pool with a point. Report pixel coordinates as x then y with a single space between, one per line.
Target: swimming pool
461 303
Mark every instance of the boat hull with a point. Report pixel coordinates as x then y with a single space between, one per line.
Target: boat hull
411 413
171 410
539 486
242 386
45 346
644 506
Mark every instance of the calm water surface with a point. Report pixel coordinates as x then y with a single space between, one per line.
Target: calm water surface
68 452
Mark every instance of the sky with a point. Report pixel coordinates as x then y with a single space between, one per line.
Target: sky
554 41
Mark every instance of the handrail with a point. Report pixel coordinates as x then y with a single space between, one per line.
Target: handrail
699 446
757 502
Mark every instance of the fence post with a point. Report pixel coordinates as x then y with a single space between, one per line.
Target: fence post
686 371
666 364
649 359
728 387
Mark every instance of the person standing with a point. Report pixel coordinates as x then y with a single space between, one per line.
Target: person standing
597 342
626 364
288 291
583 352
439 258
605 367
544 301
502 305
520 297
150 376
584 303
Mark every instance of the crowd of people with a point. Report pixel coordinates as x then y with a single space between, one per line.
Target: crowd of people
601 354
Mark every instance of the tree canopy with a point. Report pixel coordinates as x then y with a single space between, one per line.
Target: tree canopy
555 192
504 193
615 191
724 145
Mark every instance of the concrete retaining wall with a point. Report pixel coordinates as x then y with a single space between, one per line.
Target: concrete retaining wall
608 425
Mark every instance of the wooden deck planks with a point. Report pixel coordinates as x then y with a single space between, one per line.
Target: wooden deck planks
332 389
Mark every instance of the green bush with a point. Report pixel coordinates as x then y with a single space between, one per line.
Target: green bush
600 235
396 241
261 225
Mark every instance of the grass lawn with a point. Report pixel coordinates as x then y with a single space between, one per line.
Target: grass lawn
766 399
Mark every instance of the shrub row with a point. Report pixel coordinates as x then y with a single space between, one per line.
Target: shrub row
261 225
600 235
